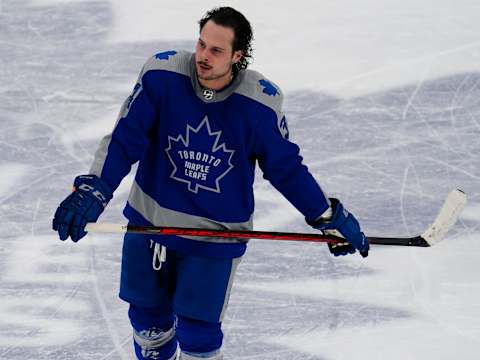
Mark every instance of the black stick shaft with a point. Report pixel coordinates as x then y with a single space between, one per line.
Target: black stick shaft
270 235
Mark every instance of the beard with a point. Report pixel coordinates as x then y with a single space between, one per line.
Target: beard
208 74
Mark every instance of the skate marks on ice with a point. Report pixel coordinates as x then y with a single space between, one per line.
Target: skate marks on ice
260 301
59 299
401 149
34 311
312 304
391 157
395 305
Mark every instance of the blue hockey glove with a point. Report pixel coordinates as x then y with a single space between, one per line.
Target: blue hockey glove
343 224
85 204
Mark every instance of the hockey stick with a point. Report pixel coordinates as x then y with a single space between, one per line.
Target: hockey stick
445 219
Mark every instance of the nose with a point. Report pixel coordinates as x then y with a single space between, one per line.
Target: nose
202 55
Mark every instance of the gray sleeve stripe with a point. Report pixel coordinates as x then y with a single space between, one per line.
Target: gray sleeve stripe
180 63
100 156
102 150
161 216
235 263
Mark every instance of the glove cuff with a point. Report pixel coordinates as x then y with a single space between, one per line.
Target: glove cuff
337 218
94 187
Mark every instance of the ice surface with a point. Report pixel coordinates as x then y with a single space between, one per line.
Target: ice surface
343 47
382 98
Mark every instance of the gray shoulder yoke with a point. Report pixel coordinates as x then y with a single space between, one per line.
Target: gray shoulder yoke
260 89
173 60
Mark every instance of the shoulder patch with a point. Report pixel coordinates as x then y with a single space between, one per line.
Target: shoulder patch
171 60
268 87
165 55
258 88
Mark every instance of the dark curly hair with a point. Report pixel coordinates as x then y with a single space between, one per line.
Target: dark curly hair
229 17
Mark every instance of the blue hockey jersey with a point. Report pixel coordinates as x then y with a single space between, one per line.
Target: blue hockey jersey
197 150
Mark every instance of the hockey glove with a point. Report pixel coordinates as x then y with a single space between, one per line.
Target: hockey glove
85 204
343 224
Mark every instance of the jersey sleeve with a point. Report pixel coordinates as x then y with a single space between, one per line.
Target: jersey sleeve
282 165
126 144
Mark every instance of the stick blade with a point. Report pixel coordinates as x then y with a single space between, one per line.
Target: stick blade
446 218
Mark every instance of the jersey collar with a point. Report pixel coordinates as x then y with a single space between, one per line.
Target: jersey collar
209 95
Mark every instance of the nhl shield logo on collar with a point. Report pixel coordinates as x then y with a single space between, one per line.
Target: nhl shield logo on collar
208 94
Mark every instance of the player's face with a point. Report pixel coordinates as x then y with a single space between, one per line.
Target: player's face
214 55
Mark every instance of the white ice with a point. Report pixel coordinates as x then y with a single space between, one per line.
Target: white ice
382 97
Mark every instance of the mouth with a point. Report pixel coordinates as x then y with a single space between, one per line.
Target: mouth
203 66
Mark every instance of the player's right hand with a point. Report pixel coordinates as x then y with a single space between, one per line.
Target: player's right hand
85 204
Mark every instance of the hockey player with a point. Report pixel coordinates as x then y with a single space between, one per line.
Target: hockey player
197 124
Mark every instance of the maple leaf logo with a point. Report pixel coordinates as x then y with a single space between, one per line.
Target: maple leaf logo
165 55
199 159
268 88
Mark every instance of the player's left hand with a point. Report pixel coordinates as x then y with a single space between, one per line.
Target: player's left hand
341 248
345 225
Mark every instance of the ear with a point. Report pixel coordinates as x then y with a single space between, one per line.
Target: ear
237 56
